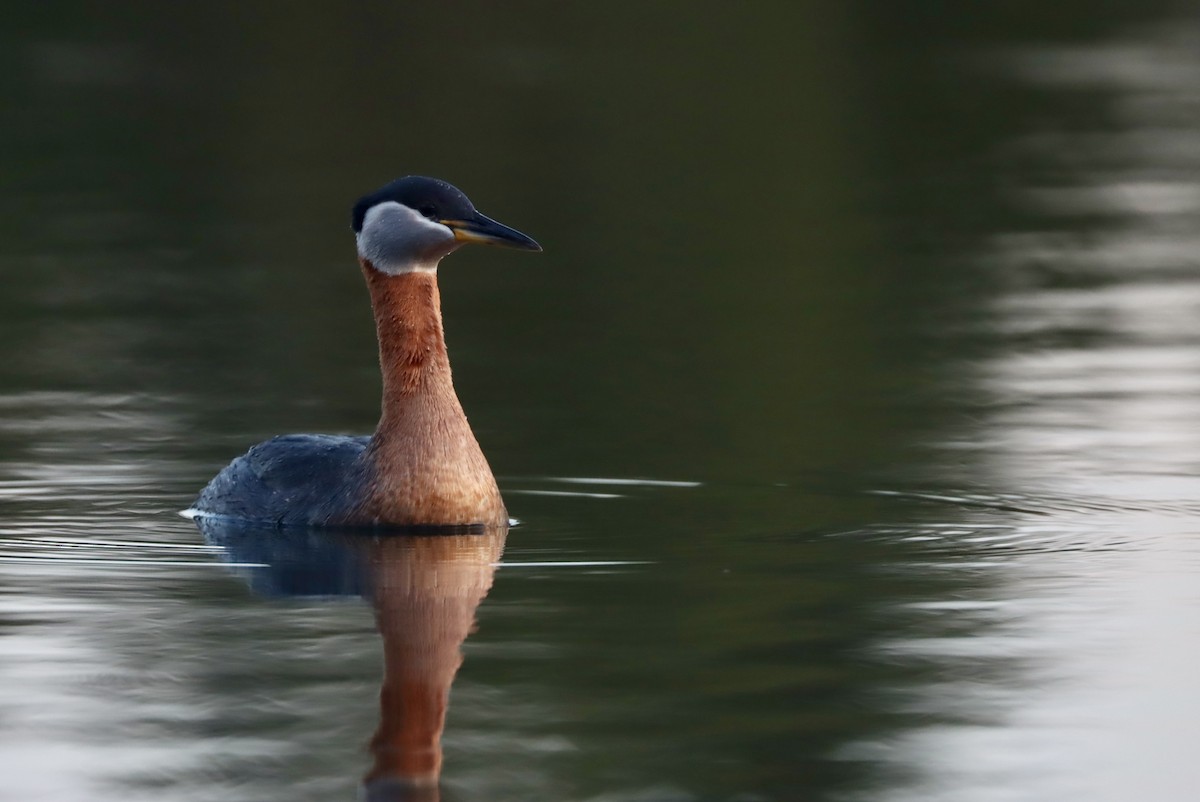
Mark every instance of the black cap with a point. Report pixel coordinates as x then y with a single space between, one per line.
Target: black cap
430 197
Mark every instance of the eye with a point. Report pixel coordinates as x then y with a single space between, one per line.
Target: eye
428 211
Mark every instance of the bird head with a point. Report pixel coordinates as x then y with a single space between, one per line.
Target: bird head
411 223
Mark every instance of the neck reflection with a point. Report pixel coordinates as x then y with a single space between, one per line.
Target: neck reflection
425 590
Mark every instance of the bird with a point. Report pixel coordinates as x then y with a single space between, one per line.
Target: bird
422 467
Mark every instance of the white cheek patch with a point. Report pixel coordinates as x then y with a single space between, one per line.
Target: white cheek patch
395 239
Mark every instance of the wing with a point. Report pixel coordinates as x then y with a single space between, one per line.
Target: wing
292 479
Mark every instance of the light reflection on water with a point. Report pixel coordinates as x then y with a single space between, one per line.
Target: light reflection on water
1093 418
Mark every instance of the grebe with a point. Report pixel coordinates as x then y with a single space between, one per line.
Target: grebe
423 466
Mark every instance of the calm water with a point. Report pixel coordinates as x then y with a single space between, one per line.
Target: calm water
852 414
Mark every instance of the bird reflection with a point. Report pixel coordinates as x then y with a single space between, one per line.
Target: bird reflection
425 589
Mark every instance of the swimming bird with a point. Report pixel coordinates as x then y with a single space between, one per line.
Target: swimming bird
423 465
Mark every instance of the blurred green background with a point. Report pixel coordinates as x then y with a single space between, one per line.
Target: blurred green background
753 215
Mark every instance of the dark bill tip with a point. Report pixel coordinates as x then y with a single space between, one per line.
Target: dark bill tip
487 231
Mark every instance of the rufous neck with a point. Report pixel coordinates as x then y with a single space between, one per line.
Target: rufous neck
408 322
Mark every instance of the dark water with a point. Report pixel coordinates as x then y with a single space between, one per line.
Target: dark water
852 413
